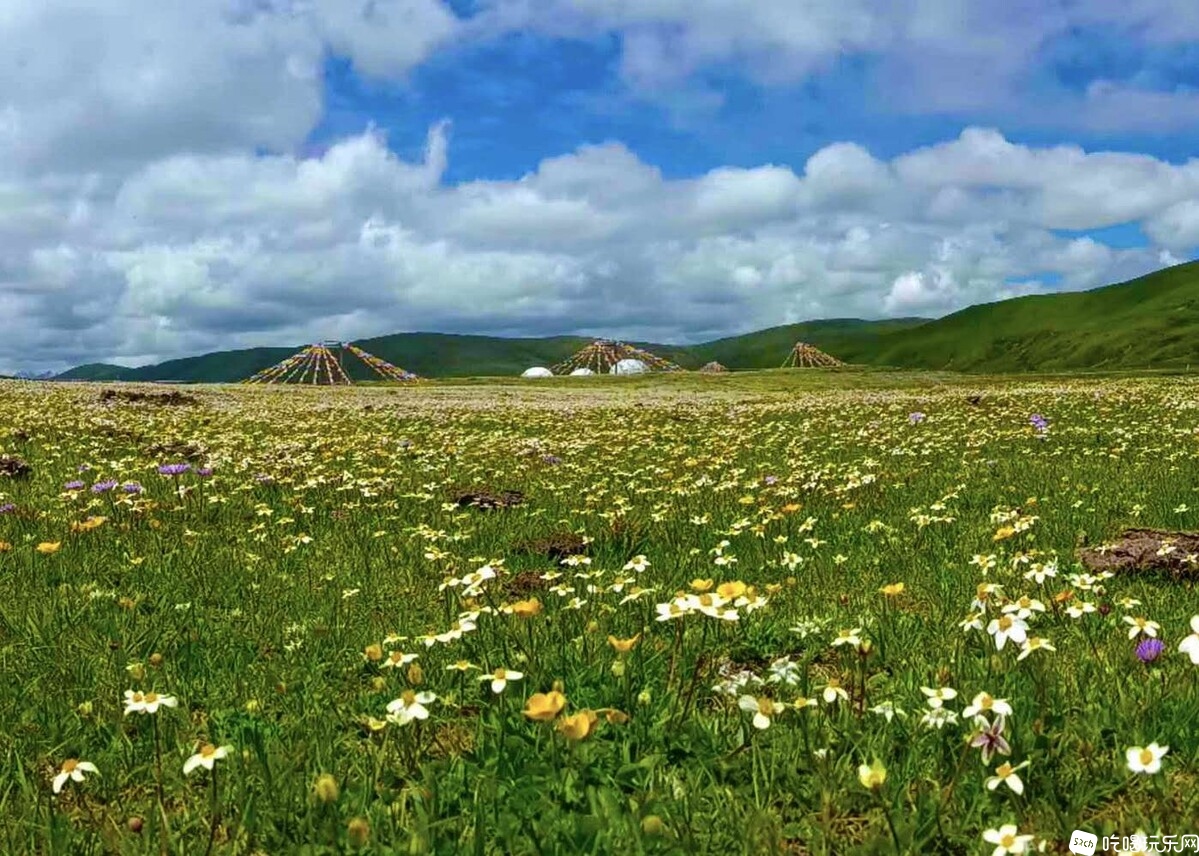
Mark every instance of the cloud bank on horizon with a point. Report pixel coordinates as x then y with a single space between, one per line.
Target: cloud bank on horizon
177 178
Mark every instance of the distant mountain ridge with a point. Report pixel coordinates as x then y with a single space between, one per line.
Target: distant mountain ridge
1149 322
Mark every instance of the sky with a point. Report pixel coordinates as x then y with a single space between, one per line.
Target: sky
185 176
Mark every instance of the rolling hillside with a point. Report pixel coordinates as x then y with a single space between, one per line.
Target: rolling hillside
1150 322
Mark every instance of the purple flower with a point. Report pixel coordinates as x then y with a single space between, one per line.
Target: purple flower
204 472
1150 649
769 480
990 738
916 418
552 460
174 469
104 486
83 468
131 487
7 507
73 485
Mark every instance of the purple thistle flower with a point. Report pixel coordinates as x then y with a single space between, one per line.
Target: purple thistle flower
1150 649
104 486
916 418
131 487
174 469
7 508
73 485
204 472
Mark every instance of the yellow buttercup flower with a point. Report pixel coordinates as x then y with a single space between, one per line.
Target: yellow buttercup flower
730 591
702 585
579 725
542 707
48 547
526 608
624 646
892 589
872 776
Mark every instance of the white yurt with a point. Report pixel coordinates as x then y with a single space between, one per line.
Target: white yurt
537 371
581 372
629 366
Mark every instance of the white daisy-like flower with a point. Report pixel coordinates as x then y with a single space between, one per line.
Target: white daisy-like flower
987 703
72 769
206 758
1006 774
763 709
1146 759
1190 645
409 706
500 678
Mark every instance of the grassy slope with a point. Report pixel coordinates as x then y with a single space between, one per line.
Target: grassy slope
1151 322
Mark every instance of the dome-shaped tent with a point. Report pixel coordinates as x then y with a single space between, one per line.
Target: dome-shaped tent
629 367
537 371
581 372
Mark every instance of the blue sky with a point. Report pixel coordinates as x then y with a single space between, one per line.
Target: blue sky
667 169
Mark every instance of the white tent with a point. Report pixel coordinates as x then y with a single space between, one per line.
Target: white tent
580 372
629 366
537 371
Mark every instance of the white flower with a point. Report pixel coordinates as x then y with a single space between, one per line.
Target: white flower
1005 774
1146 759
206 758
939 696
139 702
499 679
986 703
73 769
409 706
784 671
397 658
1190 645
1007 840
887 710
637 563
938 718
1079 608
763 709
1005 627
1036 643
833 692
1140 625
848 637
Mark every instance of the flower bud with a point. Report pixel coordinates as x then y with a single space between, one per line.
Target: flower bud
358 831
326 790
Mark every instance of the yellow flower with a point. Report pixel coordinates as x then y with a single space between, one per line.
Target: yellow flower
730 591
702 585
526 608
1004 533
578 726
373 653
892 589
48 547
791 507
872 776
614 716
542 707
5 546
624 646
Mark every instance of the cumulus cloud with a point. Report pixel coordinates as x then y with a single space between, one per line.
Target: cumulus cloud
198 252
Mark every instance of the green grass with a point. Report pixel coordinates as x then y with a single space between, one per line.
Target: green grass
263 597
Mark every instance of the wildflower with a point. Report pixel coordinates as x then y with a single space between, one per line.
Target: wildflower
1036 643
848 637
624 646
409 706
461 666
73 485
373 653
72 769
702 586
762 708
131 488
499 679
731 591
1139 625
892 589
986 703
1190 645
206 758
938 718
578 726
784 671
1146 759
1079 608
542 707
47 548
1149 650
802 701
939 696
872 775
833 691
1006 774
326 789
174 469
887 710
526 608
989 737
104 486
916 418
1024 607
1005 627
138 702
1007 840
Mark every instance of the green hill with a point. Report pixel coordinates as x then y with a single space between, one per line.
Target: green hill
1150 322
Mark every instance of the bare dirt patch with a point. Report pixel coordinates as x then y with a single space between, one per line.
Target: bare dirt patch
14 467
488 500
1146 550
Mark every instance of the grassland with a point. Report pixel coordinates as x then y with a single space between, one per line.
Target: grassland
768 603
